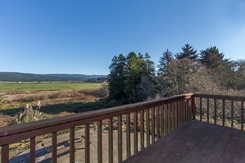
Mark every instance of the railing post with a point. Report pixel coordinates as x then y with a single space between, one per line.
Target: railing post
5 153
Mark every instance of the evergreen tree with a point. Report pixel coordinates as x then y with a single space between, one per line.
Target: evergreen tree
167 56
188 52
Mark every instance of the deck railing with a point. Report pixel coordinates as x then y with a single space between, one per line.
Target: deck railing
220 109
154 118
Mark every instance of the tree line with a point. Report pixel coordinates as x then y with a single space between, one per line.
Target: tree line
133 78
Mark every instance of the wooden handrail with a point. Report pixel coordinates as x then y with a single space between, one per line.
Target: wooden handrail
167 113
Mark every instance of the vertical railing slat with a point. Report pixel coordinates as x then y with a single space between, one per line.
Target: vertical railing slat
72 145
87 144
120 138
135 132
110 140
162 120
5 153
173 116
242 115
99 141
54 147
200 109
194 108
153 124
231 113
32 150
208 110
215 112
147 127
157 122
165 119
169 117
142 140
128 146
223 101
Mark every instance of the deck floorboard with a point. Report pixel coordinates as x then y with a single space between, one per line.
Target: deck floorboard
196 142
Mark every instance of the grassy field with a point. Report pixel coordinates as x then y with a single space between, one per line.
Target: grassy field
6 87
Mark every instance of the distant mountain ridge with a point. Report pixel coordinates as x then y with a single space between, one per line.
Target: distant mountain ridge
28 77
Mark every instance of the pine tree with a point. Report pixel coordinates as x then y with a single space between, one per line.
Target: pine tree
188 52
167 56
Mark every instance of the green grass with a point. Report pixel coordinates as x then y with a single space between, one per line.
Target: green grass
5 87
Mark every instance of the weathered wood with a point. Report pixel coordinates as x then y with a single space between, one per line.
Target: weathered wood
241 115
194 108
120 138
153 124
32 150
225 97
128 145
54 147
5 154
200 108
135 132
165 119
208 110
215 112
223 112
147 128
162 120
87 144
110 140
157 123
72 145
99 140
232 113
142 140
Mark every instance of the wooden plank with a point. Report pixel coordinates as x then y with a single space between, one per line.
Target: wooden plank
215 112
208 110
110 140
99 140
5 154
241 115
147 127
72 145
220 147
165 119
223 112
142 140
32 150
239 153
54 147
128 145
135 132
120 138
153 124
87 144
162 120
230 149
173 115
169 117
157 122
200 109
225 97
193 107
232 113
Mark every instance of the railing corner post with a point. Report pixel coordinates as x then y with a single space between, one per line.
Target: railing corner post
193 107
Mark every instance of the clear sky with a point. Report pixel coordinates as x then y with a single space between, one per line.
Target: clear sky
82 36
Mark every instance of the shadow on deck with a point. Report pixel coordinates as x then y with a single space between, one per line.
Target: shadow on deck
196 142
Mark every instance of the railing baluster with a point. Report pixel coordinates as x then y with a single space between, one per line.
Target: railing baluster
165 119
153 124
157 121
5 153
33 149
190 114
223 112
215 112
142 129
169 117
54 147
128 146
242 115
208 110
200 109
231 113
135 132
87 144
162 120
147 127
184 112
110 141
99 140
194 108
72 144
181 112
179 115
176 115
173 116
120 138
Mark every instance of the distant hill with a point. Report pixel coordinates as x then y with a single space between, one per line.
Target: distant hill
27 77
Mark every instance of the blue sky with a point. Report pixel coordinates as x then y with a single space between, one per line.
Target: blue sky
82 36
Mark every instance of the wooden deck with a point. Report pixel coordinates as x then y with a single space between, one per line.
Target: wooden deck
196 142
